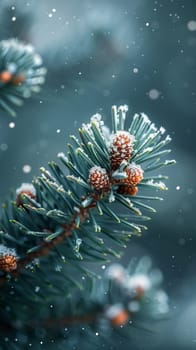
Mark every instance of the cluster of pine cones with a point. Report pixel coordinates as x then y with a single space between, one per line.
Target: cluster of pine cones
121 149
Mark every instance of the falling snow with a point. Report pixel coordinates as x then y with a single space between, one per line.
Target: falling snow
135 70
153 94
11 125
96 55
191 25
26 168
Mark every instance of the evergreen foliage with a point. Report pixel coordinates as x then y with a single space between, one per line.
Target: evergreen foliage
21 73
70 216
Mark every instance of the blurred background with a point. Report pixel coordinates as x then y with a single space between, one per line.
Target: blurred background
99 53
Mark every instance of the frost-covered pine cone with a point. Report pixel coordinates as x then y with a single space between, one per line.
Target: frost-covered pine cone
8 259
134 174
99 179
121 148
128 190
26 188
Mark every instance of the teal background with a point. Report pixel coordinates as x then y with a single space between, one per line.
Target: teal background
91 50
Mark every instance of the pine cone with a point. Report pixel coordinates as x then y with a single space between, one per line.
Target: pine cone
8 262
121 148
117 315
5 76
128 190
25 188
134 174
138 285
98 179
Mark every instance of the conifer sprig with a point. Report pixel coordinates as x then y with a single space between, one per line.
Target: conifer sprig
71 214
123 300
122 295
21 73
101 187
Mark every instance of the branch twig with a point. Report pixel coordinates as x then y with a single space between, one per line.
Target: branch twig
46 247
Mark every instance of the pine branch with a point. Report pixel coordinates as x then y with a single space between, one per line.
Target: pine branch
68 217
123 299
21 73
60 208
45 247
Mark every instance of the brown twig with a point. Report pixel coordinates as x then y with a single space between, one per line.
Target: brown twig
46 247
65 321
52 322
